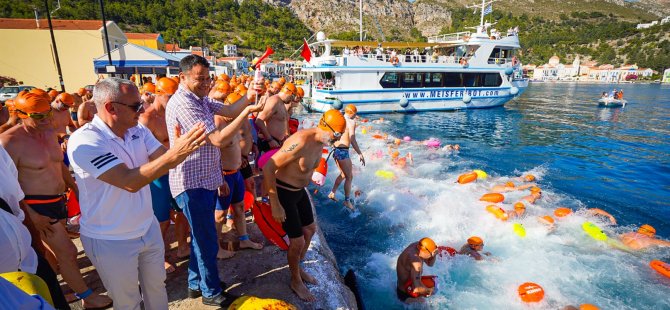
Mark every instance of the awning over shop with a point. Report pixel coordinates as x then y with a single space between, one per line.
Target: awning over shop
132 59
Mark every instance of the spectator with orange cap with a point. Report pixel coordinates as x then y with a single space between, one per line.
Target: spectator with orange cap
34 148
61 115
409 269
285 177
341 156
272 122
473 248
644 238
153 118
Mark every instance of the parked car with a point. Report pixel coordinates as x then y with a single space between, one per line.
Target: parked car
9 92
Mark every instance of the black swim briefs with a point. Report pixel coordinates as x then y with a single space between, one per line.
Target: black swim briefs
245 169
402 295
297 207
52 206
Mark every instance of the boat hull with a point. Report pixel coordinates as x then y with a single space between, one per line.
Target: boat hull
611 103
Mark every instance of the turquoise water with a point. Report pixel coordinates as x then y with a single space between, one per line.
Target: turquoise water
616 159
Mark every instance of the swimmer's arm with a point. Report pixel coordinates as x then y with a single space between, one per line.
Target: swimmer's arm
415 274
224 135
596 211
82 116
660 242
236 108
525 186
430 262
69 180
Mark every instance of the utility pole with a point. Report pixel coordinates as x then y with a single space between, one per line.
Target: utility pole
360 23
53 42
104 26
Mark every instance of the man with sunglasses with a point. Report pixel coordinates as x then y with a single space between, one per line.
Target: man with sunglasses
115 158
409 269
286 176
34 148
272 122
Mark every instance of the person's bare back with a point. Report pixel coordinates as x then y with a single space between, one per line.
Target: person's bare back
275 117
86 112
230 153
307 146
155 121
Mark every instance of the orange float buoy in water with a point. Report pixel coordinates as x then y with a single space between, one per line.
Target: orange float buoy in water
562 212
319 175
493 197
498 212
427 281
588 307
546 219
467 177
531 292
660 267
378 136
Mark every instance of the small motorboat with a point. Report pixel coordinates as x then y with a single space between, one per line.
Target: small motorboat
611 102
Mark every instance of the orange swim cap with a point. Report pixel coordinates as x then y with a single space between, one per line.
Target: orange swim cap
40 92
31 103
529 178
548 219
82 91
333 120
428 245
395 154
232 98
647 229
535 189
52 94
474 240
562 212
350 109
275 85
176 78
519 205
223 86
588 307
509 184
282 81
149 87
224 77
289 88
166 86
300 93
66 98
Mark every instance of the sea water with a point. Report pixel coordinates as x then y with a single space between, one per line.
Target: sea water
616 159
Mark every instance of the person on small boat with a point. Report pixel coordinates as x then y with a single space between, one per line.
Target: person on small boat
604 95
644 238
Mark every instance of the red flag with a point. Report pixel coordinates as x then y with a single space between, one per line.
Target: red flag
268 52
306 52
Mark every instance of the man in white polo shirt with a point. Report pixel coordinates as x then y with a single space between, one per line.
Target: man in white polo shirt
114 159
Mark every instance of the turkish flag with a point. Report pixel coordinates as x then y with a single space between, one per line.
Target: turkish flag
306 52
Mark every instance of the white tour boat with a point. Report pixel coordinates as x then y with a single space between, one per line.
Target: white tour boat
461 71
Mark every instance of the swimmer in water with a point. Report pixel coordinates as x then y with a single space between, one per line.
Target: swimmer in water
519 211
535 194
410 266
473 248
644 238
510 187
603 213
525 178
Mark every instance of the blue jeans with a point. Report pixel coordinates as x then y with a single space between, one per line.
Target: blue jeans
203 274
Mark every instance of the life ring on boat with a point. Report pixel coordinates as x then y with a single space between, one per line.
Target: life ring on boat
463 62
395 60
427 281
515 61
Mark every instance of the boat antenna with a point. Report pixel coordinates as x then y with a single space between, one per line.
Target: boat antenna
485 8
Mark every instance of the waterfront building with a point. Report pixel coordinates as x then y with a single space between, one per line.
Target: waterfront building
230 50
150 40
31 59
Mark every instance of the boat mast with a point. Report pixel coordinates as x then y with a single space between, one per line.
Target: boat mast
482 13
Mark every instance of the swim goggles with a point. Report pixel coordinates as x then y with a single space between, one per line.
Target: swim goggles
38 116
335 133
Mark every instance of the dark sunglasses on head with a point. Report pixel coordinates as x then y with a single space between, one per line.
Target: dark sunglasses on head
137 107
37 116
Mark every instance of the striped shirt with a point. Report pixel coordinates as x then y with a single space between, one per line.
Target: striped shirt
201 169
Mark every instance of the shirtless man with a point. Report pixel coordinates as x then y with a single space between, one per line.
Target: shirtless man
642 239
12 119
535 194
4 113
232 192
272 122
510 187
78 100
274 88
44 178
518 211
410 267
61 115
473 248
341 156
161 198
285 177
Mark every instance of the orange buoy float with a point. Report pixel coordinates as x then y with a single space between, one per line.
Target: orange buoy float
498 212
546 219
588 307
319 174
378 136
493 197
531 292
562 212
467 177
660 267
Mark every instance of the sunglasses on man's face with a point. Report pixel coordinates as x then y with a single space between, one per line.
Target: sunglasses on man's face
137 107
37 116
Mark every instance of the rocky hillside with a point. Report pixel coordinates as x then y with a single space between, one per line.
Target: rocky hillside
397 18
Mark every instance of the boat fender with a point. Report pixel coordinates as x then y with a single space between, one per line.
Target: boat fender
337 104
514 91
509 71
467 98
404 102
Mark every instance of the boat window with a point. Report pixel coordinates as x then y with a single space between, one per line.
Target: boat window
411 80
492 80
432 79
453 79
389 80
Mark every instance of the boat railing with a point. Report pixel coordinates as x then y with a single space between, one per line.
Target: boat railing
464 35
411 58
499 61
